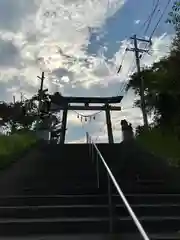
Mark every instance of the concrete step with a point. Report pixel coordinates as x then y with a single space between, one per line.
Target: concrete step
45 226
48 211
61 214
52 189
153 198
37 200
18 227
167 236
67 211
170 236
151 209
158 224
89 198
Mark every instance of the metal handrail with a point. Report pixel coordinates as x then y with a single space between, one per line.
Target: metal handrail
131 212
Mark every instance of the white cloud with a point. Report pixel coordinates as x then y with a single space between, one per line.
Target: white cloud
45 29
137 21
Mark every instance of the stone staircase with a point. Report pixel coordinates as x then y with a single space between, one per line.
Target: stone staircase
59 197
88 214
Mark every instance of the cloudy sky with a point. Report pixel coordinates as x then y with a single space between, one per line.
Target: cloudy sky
80 45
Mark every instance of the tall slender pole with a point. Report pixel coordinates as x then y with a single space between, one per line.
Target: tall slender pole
136 50
110 204
143 106
97 169
14 99
40 99
42 81
21 97
111 140
40 91
87 137
64 123
109 125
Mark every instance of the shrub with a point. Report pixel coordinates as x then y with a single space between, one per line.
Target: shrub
12 146
161 143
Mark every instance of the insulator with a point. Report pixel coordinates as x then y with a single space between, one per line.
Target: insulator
81 119
85 119
94 118
77 116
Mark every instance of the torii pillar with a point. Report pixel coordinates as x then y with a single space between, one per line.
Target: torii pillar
64 123
109 124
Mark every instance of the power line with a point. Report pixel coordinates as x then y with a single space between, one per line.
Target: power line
125 83
149 20
123 86
158 22
155 6
123 57
153 3
159 19
158 50
144 24
151 16
132 67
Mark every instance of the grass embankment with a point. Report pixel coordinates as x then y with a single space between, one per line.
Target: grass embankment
11 147
163 144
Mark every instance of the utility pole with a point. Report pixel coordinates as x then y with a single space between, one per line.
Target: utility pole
21 97
136 50
40 91
42 81
14 99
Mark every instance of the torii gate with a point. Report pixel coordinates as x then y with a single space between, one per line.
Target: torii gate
67 103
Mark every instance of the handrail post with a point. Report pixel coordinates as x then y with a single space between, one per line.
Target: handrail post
90 145
97 169
110 204
92 152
